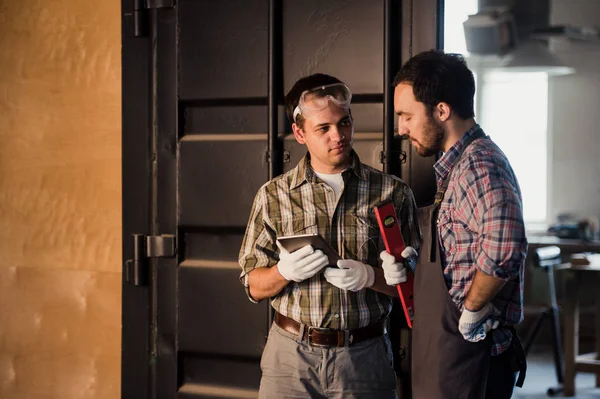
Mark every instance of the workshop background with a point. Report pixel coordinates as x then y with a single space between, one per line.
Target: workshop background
60 192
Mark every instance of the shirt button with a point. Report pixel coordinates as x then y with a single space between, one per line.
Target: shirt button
337 316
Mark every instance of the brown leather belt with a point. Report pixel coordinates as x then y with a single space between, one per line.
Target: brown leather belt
329 337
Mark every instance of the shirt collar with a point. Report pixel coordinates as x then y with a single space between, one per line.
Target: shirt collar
304 173
444 165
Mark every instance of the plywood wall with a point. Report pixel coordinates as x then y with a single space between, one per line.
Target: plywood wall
60 199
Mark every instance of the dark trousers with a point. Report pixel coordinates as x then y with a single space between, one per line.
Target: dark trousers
502 376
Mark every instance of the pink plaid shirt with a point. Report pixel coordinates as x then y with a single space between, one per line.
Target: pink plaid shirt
480 226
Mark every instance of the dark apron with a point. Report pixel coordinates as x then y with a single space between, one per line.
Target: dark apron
444 364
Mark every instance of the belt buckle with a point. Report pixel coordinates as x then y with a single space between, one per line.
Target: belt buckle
309 336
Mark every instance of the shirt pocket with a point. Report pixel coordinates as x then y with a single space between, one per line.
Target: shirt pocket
305 224
361 237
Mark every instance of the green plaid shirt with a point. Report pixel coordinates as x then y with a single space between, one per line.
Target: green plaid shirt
298 202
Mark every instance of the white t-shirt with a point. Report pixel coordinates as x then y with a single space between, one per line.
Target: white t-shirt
334 181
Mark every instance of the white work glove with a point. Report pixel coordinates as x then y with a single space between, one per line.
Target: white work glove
301 264
351 275
474 326
395 272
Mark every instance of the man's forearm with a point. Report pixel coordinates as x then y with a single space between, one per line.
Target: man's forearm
483 289
381 286
265 282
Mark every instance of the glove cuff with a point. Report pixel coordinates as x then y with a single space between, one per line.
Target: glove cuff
283 274
469 316
370 276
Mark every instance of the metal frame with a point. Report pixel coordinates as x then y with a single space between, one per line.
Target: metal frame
149 104
392 15
136 181
275 97
422 29
548 261
165 118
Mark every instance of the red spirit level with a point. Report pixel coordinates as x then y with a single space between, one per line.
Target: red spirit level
394 244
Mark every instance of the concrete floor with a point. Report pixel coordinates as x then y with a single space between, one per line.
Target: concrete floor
541 376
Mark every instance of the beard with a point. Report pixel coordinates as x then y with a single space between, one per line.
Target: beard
433 138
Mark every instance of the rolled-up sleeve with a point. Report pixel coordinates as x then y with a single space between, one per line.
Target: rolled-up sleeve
258 245
497 218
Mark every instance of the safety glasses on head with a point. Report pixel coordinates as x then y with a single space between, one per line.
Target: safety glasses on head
316 99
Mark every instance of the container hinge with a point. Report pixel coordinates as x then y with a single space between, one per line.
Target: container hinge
401 157
286 157
137 270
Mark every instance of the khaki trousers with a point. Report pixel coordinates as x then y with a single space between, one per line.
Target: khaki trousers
292 368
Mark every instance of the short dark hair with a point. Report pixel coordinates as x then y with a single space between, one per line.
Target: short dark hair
306 83
439 77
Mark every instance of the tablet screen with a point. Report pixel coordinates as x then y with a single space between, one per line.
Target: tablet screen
295 242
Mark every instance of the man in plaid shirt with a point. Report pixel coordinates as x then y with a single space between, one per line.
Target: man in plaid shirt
478 228
329 335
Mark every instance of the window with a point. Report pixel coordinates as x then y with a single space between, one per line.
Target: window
455 13
514 112
513 109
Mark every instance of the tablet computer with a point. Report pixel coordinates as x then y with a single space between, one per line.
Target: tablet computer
295 242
